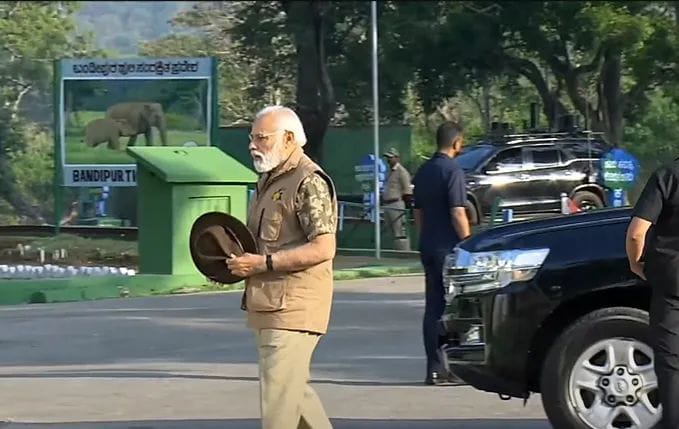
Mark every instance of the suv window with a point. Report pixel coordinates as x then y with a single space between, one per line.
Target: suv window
585 150
543 157
473 155
507 160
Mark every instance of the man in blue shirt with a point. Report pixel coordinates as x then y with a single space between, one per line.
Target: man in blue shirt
439 208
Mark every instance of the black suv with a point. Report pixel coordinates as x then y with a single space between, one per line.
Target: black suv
550 306
529 172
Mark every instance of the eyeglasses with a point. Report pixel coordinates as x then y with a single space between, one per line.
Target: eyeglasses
264 136
260 137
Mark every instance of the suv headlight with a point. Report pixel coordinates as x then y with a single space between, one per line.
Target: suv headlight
468 272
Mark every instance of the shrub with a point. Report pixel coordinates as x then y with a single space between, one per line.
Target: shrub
33 168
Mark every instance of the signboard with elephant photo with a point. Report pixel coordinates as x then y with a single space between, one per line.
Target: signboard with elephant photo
106 105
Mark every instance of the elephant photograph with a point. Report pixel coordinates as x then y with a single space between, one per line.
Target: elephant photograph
107 130
101 118
140 117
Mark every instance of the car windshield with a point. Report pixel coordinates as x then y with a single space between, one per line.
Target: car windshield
472 156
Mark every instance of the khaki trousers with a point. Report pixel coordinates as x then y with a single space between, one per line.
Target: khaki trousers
287 401
397 221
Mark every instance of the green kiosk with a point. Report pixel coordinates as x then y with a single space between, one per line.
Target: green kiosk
175 186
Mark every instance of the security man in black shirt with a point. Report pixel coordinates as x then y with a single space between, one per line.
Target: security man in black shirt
657 261
439 210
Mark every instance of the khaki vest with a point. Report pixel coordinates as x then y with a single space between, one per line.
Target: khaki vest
286 300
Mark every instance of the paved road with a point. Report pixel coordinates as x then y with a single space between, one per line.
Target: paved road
189 362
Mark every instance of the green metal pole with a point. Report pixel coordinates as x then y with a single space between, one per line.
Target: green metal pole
58 144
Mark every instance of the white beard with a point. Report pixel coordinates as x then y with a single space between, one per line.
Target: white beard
264 163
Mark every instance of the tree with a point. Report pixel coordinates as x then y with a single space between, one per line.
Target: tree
312 56
245 81
601 58
607 55
292 38
33 35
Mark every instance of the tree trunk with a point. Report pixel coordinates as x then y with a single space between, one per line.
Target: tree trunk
315 95
552 105
486 104
612 99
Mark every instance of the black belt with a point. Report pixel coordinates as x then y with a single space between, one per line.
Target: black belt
393 200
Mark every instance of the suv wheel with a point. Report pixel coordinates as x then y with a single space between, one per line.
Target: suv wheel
586 200
600 373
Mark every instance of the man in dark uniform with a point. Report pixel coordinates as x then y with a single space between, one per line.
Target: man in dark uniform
439 210
657 261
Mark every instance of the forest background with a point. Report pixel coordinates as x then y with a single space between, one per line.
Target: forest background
611 62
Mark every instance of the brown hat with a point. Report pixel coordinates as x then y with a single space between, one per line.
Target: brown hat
215 236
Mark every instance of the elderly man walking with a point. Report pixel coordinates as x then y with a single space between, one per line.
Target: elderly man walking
289 285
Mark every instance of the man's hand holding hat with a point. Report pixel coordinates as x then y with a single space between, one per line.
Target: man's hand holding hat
223 249
246 265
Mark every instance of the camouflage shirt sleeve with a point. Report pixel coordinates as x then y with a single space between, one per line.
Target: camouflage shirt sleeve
316 211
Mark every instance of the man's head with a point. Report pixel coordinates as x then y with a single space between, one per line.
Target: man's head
392 157
449 138
276 132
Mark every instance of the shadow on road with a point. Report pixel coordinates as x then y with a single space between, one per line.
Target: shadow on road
372 336
151 374
255 424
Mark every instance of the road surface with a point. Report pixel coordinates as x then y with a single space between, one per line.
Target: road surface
189 362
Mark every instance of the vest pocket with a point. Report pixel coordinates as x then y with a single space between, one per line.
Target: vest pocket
266 296
270 227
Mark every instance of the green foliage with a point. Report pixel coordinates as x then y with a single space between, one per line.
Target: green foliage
33 166
474 61
246 82
599 57
33 35
654 136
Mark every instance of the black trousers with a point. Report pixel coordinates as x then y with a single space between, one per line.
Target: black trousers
434 305
664 322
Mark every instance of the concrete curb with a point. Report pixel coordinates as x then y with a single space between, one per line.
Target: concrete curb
376 271
90 288
14 292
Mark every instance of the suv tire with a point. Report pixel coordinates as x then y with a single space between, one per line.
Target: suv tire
472 213
589 198
613 327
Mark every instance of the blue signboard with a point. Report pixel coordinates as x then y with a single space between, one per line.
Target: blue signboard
619 172
365 176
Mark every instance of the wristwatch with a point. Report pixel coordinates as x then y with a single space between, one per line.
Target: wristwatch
269 263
